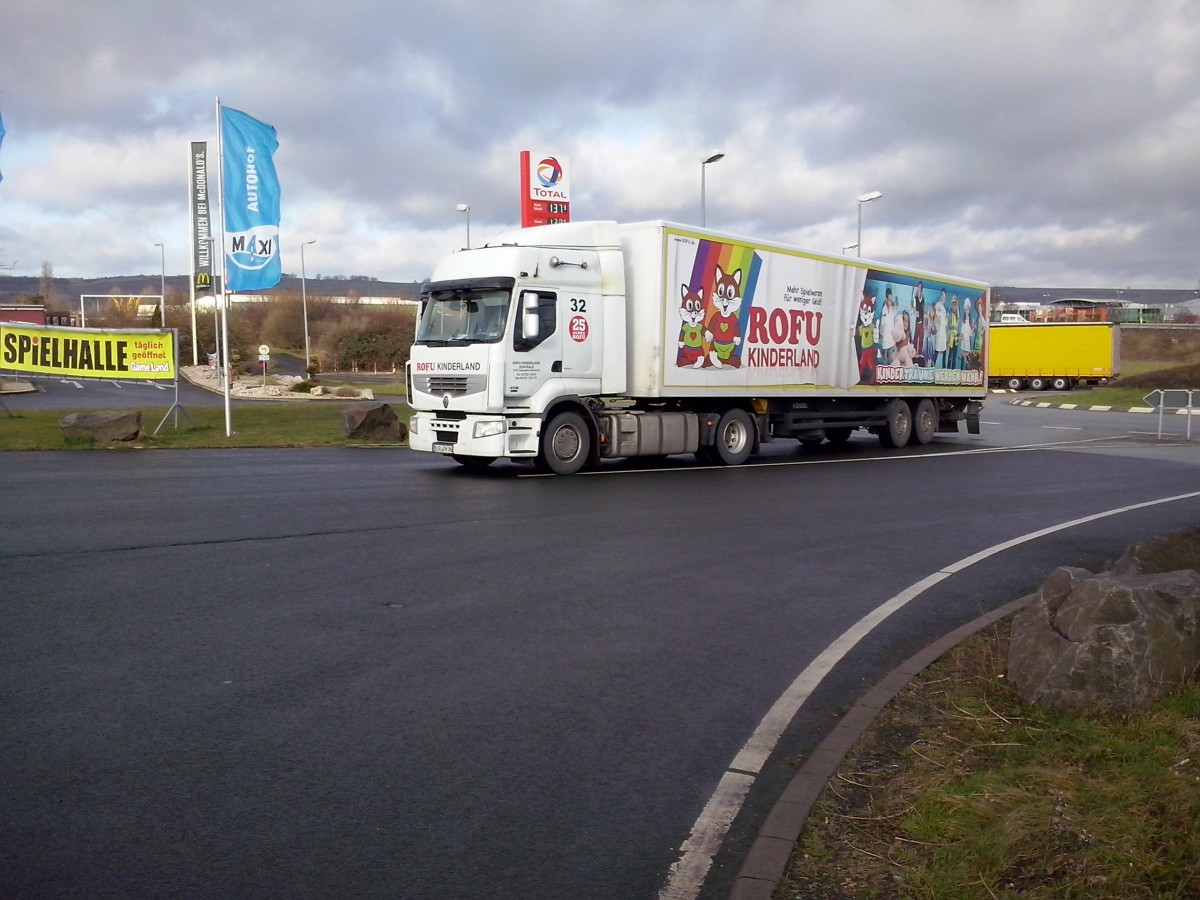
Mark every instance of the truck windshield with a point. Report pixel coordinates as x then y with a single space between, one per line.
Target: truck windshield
463 316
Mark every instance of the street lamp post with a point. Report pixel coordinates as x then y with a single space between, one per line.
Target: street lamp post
715 157
304 302
865 198
162 300
848 247
466 208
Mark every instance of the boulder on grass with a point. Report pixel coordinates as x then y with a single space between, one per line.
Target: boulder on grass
103 426
1109 640
375 421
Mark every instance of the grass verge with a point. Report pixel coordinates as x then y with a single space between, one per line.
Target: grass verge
290 424
960 790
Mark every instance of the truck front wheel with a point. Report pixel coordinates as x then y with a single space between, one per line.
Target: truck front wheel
735 438
566 444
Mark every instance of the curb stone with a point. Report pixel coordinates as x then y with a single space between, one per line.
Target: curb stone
766 862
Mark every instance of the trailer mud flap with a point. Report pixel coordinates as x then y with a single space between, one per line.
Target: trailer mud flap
973 410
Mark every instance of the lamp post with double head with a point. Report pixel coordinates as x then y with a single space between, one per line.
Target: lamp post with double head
466 208
304 303
162 299
714 157
865 198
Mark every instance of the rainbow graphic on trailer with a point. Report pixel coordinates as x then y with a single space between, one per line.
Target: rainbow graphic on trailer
715 304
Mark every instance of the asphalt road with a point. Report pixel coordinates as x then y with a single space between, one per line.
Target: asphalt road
369 673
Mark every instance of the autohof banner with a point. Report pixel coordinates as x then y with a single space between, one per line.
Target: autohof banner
250 202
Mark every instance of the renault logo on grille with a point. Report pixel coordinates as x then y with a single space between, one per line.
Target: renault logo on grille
445 401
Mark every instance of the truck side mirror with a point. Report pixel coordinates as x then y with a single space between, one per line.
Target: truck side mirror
530 320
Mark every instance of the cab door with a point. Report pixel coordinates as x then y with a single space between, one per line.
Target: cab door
537 347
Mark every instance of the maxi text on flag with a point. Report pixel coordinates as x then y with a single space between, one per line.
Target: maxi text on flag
251 201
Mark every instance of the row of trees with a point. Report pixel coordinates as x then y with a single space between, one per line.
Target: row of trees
343 337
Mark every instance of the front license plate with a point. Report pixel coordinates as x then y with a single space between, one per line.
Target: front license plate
443 448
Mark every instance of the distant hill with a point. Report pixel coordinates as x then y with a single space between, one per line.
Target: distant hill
67 291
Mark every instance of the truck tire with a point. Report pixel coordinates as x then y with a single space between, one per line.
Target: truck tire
734 438
1014 384
899 425
1060 383
566 444
925 420
1037 384
473 462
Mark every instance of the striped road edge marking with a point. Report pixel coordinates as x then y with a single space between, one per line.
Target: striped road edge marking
687 874
1171 411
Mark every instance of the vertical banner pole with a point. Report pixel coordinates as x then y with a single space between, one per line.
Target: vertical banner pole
224 275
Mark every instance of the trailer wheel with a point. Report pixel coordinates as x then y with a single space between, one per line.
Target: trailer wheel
899 425
566 444
925 420
1014 384
734 438
1037 384
473 462
1060 383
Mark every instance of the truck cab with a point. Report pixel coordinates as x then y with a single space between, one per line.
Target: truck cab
511 335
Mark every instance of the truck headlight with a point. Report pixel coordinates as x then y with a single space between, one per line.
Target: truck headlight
413 421
487 429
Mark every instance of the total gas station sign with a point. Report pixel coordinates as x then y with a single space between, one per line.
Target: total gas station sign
545 189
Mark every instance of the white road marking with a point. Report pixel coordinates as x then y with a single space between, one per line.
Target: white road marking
687 874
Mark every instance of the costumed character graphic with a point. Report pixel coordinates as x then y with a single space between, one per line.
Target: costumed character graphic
866 335
724 331
918 305
691 332
906 354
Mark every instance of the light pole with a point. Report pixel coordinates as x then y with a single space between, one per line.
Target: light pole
715 157
466 208
848 247
865 198
162 309
304 302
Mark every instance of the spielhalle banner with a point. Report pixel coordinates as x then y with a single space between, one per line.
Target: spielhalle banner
88 352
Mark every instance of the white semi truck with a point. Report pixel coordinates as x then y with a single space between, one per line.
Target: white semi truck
573 343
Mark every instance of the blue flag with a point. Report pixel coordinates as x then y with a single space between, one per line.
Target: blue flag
251 202
1 137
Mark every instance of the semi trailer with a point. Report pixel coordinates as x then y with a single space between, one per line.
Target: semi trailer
1056 356
569 344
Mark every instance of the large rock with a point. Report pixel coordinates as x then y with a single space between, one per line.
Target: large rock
104 426
1110 640
375 421
1166 553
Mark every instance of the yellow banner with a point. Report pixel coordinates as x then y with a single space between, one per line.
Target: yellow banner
88 352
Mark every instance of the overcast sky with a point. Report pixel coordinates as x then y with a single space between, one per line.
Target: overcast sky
1047 143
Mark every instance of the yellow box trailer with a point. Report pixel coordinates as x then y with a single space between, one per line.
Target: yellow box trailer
1053 355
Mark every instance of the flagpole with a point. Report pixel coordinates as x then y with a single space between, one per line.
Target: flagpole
224 280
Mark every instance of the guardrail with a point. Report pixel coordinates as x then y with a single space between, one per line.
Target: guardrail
1183 402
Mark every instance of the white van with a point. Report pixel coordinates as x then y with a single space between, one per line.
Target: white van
1013 319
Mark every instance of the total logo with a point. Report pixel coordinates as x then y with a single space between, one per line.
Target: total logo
549 172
